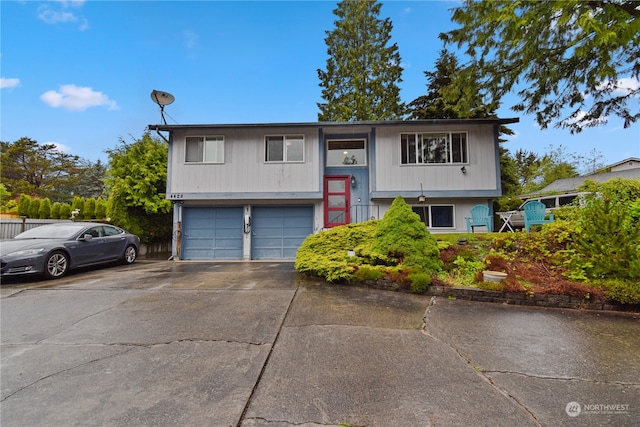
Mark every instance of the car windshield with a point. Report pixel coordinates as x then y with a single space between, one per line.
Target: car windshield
51 232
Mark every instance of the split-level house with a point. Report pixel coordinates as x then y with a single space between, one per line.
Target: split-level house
256 191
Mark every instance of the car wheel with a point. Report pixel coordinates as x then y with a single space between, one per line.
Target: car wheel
56 265
130 254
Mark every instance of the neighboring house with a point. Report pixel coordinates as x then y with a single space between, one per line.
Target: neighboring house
630 163
628 169
256 191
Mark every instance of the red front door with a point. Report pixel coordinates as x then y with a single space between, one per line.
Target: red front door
336 200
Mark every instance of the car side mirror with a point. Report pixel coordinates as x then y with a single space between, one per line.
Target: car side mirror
86 237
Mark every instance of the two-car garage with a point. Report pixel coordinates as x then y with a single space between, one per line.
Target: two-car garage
223 232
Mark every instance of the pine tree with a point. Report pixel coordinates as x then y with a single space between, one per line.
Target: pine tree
450 94
453 95
363 69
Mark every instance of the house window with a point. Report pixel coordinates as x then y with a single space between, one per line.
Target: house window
205 149
436 216
346 153
433 148
284 148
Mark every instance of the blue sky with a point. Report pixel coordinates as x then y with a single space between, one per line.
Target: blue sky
79 73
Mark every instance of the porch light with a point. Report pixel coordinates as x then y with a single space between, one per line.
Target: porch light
463 170
422 198
353 181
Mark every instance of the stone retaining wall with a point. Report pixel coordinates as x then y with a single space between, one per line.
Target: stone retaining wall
513 298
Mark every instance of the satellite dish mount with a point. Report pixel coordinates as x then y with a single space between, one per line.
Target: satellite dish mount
162 98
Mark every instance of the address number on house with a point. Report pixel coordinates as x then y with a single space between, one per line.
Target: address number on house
176 196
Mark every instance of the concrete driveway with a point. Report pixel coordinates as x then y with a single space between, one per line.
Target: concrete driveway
163 343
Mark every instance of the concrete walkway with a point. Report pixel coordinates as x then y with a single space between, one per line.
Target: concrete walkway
164 343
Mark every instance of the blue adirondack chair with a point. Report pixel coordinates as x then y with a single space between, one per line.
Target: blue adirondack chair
479 218
535 214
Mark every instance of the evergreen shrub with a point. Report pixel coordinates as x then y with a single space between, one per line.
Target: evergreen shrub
55 210
398 248
44 212
404 239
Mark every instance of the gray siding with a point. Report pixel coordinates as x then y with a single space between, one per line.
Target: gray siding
244 169
481 168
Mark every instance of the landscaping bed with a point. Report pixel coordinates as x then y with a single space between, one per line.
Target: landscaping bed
587 258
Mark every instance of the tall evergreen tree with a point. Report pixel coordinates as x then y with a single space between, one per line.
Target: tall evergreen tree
452 95
136 183
363 69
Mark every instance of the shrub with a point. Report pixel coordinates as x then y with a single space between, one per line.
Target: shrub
368 272
622 290
65 211
55 210
78 203
23 205
608 240
325 254
34 208
419 282
101 208
44 211
89 209
403 238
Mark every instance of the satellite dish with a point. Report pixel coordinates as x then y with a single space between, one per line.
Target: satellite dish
162 98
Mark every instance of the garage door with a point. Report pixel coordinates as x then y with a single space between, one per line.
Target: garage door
211 233
278 231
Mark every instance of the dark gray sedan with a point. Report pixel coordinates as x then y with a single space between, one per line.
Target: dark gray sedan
54 249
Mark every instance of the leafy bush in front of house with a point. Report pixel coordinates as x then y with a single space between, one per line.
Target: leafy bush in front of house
609 242
402 238
419 282
326 254
397 248
624 291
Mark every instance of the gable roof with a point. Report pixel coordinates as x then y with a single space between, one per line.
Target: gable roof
570 185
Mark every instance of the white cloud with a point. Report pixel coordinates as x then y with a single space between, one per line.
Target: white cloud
620 87
8 83
579 116
76 98
60 147
61 13
54 17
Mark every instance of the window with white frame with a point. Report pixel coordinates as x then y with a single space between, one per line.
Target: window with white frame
205 149
284 148
433 148
436 216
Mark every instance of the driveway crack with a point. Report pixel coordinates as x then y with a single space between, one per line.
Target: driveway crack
482 374
266 361
88 362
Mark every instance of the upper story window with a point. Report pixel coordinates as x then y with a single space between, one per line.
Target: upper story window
346 153
205 149
284 148
434 148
